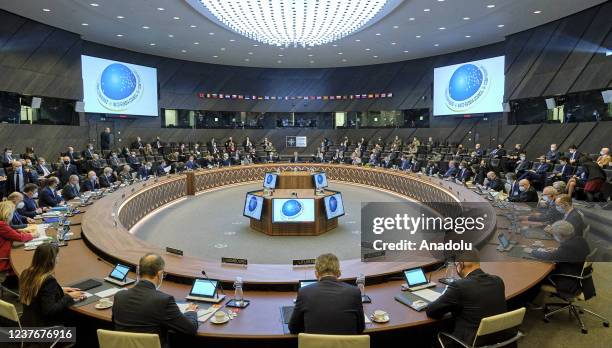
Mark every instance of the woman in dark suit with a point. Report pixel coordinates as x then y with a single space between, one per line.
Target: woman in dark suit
44 301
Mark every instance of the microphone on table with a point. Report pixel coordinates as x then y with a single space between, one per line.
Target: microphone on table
219 284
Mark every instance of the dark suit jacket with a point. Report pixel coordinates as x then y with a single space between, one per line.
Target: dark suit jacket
553 156
570 257
527 196
69 192
11 185
575 218
64 174
451 172
565 171
48 307
29 207
470 299
522 166
464 174
144 309
106 182
105 140
328 307
48 198
495 184
90 186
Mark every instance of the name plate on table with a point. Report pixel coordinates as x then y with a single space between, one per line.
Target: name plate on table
304 262
174 251
234 261
372 255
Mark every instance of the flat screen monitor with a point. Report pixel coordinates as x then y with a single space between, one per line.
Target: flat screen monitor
120 272
469 88
270 180
415 277
203 287
112 87
334 206
320 180
304 283
253 206
293 210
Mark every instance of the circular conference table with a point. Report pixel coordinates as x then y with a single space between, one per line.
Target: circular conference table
106 239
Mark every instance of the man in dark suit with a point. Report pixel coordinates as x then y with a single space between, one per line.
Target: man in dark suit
48 196
475 296
570 214
405 163
191 163
88 153
30 208
75 157
562 172
494 182
145 171
72 189
552 155
107 178
547 210
7 157
145 309
539 173
91 183
522 165
138 144
464 173
512 185
65 170
569 256
106 138
573 155
498 152
452 170
328 306
42 169
18 177
528 193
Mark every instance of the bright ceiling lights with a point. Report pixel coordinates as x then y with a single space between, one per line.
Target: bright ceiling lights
296 22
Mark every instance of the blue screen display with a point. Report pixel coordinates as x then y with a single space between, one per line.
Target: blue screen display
270 180
120 272
293 210
253 206
304 283
415 276
334 206
204 287
320 180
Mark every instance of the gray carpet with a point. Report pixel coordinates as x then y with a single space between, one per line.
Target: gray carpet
211 226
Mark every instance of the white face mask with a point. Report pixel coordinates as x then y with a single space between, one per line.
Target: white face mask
522 188
546 199
20 205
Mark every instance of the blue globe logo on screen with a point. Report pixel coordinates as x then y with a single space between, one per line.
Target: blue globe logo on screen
468 84
269 179
117 81
320 179
333 204
252 204
292 208
118 87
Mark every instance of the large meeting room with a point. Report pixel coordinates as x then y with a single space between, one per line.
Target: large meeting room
305 173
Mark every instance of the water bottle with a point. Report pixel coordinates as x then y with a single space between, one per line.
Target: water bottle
238 293
451 270
361 284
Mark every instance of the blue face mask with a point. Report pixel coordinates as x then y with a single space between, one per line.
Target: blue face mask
560 209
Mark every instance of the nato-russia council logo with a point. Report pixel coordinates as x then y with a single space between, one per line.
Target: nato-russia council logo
118 87
467 86
291 209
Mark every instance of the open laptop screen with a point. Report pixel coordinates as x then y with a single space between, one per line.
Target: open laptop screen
415 277
120 272
204 287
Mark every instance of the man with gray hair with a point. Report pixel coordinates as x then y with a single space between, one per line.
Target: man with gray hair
548 209
569 256
560 186
145 309
72 188
328 306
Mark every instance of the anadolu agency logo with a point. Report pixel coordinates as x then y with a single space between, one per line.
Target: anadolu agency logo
118 87
467 86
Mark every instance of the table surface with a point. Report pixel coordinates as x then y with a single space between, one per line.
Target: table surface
300 193
262 318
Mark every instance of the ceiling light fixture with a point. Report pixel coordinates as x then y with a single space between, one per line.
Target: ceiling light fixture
490 6
466 18
500 25
84 24
46 10
436 45
411 18
120 17
145 27
295 22
426 10
184 51
537 11
119 35
176 17
94 4
468 36
170 35
160 9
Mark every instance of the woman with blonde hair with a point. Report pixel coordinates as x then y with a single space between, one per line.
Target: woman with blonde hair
44 300
8 235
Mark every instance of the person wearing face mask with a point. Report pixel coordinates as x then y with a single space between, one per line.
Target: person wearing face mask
91 183
452 170
45 302
512 185
144 308
563 204
573 154
145 171
498 152
475 296
88 153
528 193
19 221
538 174
72 189
41 168
569 257
18 177
8 235
30 207
522 164
552 155
464 173
548 212
48 196
561 172
65 170
7 157
493 182
108 177
604 157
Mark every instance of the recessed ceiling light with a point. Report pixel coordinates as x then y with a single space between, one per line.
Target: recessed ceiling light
184 51
312 62
395 26
215 56
418 36
222 48
145 27
280 55
468 36
466 18
357 40
406 51
211 33
232 40
170 35
251 53
500 25
120 17
367 49
196 43
340 53
426 10
377 34
436 45
246 59
490 6
160 9
94 4
537 11
335 45
151 44
411 18
374 56
310 55
344 59
119 35
440 0
176 17
193 26
442 28
279 61
255 45
84 24
394 43
46 10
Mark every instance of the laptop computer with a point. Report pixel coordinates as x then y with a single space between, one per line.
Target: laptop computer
416 279
119 275
205 290
504 243
420 299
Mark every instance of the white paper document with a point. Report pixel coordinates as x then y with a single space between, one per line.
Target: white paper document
428 294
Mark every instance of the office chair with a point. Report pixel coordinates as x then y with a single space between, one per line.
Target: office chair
332 341
569 300
491 325
113 339
3 276
8 312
